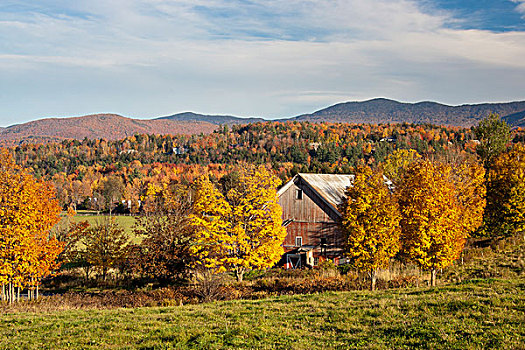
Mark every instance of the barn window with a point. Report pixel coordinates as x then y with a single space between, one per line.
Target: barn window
298 194
299 241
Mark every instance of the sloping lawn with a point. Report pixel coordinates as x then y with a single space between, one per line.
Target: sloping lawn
475 315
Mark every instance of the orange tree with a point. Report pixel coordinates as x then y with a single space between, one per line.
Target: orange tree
436 215
370 223
28 211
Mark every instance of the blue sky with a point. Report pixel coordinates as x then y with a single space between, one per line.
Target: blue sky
269 58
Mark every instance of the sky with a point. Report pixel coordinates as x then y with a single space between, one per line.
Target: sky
266 58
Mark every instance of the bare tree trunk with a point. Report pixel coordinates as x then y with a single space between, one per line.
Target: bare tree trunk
3 293
36 292
18 294
433 277
87 271
373 279
239 273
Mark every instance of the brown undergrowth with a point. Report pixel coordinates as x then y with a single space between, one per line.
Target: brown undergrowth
494 258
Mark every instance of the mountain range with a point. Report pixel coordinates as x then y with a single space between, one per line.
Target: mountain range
379 110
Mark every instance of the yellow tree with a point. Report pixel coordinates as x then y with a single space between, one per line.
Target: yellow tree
370 223
45 246
397 162
256 220
436 218
242 230
505 213
210 229
469 181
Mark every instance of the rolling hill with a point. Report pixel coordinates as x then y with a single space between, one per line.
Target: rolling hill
383 110
108 126
214 119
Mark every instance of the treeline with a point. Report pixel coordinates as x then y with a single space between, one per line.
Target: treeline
432 206
316 147
82 171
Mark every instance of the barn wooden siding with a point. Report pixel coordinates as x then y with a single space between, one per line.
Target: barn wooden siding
312 219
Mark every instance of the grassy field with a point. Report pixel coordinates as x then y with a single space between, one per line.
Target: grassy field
479 314
125 221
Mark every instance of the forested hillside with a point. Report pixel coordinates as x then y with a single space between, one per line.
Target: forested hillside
382 110
78 167
108 126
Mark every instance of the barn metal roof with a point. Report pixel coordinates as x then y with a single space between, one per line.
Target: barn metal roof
330 186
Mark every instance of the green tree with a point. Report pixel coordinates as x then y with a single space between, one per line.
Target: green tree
493 135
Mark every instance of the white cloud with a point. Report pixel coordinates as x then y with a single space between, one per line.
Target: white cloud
263 57
521 6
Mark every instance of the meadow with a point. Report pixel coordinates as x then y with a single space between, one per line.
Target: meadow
126 222
483 313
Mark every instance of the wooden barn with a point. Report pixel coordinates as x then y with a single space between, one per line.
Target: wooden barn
310 215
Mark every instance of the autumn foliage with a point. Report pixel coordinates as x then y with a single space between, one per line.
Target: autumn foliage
437 214
28 211
505 214
241 230
370 223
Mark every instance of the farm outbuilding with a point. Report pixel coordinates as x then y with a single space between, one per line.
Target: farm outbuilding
310 214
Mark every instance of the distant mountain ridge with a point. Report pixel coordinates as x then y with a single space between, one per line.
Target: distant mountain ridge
382 110
107 126
375 111
214 119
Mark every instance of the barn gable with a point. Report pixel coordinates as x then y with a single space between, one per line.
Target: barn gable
310 213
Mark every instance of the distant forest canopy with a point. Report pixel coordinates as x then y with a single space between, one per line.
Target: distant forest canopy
78 167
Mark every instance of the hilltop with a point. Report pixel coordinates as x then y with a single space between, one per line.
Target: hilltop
214 119
107 126
383 110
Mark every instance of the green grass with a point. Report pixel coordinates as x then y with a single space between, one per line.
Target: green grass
474 315
125 221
